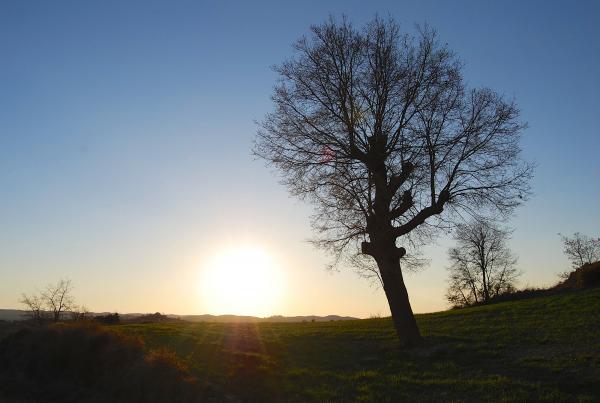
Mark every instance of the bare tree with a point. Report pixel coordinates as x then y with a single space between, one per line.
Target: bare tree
35 306
481 265
58 298
379 131
581 249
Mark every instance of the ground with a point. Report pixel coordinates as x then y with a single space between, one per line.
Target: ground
545 348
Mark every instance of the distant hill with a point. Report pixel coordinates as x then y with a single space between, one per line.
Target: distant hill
270 319
17 314
12 314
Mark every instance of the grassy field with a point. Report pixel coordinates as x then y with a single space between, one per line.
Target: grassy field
545 348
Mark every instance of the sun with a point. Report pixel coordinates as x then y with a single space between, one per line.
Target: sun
242 280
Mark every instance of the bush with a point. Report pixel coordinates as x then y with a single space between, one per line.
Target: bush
588 275
85 362
109 319
522 294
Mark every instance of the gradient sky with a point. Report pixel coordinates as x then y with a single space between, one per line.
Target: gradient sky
126 127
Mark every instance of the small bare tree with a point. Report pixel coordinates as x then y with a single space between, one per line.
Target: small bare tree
379 130
481 265
35 306
581 249
58 298
55 298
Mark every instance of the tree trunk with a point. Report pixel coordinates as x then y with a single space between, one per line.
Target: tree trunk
397 296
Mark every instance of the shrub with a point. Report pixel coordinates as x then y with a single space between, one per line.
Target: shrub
86 362
588 275
109 319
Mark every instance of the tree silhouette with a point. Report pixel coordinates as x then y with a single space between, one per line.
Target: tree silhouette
35 306
481 265
581 249
58 298
379 131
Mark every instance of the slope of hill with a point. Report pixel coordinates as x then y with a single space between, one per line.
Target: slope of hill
538 349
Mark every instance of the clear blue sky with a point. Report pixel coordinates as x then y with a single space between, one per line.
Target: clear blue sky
125 133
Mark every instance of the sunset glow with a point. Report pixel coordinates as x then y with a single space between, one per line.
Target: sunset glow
241 280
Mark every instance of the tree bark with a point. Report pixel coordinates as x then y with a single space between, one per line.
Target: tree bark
397 296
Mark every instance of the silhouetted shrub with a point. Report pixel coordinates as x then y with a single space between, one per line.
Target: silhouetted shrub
110 319
522 294
153 318
586 276
86 362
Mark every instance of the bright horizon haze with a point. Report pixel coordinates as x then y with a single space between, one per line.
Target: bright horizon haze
125 149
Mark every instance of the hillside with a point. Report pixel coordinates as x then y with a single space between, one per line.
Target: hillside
545 348
538 349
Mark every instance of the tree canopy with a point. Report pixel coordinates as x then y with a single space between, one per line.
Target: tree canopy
379 130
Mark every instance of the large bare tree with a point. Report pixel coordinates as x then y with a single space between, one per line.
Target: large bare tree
378 129
481 265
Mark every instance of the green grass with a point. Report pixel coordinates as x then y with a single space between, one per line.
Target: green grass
540 349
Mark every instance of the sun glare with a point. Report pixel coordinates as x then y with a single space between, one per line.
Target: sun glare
241 281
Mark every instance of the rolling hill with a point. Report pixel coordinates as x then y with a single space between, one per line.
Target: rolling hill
545 348
538 349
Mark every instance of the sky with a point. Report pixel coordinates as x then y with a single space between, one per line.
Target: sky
126 129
